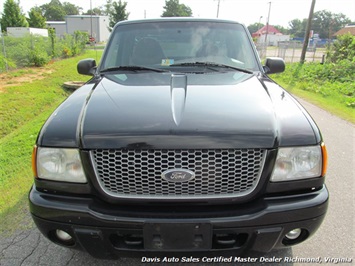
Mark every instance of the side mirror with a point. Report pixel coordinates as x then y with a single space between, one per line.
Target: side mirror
87 67
274 65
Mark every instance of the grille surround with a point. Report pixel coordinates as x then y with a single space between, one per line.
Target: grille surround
137 174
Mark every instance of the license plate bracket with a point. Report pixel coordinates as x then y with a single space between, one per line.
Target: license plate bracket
175 236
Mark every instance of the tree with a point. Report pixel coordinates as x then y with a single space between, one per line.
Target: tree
297 28
71 9
56 11
108 8
95 11
117 13
53 11
174 9
326 23
35 18
342 49
255 27
12 15
281 29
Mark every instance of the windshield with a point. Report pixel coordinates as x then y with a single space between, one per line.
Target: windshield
180 44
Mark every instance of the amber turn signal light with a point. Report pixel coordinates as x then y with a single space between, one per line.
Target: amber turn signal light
34 161
325 159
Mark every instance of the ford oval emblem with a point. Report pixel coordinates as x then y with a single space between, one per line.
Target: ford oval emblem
178 175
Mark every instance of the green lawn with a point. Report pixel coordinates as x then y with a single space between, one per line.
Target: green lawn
333 103
24 107
329 86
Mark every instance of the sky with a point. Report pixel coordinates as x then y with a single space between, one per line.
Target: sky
244 11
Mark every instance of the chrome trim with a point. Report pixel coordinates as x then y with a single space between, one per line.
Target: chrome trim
203 186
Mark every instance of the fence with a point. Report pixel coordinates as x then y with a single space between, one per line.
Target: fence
291 51
34 50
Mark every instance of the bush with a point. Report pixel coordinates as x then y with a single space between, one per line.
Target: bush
39 58
35 50
342 49
6 63
327 80
18 50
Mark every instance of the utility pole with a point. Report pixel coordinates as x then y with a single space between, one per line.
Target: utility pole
267 25
219 1
308 30
91 19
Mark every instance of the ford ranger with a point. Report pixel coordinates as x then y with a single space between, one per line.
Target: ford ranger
181 143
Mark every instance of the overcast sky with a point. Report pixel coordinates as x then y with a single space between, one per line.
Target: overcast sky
244 11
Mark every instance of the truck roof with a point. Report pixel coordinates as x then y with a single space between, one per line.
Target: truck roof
177 19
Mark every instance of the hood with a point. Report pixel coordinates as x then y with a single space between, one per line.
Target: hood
164 110
194 111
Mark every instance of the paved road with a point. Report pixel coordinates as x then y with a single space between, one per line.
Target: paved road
335 239
336 235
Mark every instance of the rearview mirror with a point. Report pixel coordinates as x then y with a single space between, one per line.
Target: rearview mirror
87 67
274 65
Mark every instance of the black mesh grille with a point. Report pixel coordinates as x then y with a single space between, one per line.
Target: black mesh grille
218 173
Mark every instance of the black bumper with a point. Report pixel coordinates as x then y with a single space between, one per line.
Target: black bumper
110 231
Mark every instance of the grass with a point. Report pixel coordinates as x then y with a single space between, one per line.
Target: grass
23 110
333 103
330 87
21 72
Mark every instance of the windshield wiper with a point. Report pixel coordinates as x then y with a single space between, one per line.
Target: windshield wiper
132 68
212 64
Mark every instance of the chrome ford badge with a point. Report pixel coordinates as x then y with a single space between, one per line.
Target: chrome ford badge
178 175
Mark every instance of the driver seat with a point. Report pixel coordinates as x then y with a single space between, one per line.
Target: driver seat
147 52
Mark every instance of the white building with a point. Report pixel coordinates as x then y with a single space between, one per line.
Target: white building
59 26
273 40
23 31
95 26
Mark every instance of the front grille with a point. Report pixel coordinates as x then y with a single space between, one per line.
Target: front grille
218 173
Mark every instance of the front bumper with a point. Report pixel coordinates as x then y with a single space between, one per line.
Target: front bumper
111 231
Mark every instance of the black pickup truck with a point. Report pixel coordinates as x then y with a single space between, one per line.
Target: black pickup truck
179 143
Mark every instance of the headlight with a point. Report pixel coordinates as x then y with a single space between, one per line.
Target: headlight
298 163
59 165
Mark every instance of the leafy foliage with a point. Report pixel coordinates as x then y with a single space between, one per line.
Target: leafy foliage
173 8
117 13
324 23
35 18
255 27
327 23
342 49
95 11
12 15
34 50
71 9
281 29
53 11
297 27
331 80
38 57
56 11
6 63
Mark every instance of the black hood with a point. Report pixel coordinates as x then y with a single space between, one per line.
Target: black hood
216 110
164 110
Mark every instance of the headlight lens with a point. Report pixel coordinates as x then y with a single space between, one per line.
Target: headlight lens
60 165
297 163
